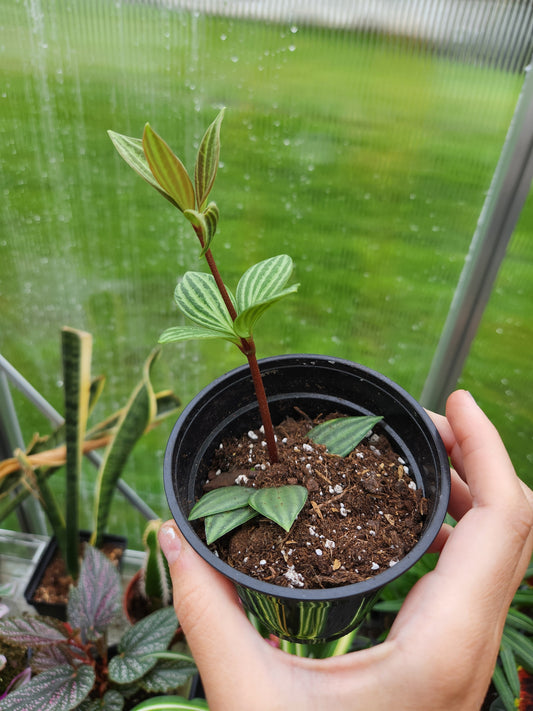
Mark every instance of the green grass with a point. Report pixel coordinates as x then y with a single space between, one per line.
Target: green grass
364 158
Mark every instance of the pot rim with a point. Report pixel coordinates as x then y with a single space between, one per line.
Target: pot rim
365 587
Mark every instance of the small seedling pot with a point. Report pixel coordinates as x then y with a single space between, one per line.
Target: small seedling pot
314 384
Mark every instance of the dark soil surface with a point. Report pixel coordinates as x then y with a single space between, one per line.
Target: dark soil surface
55 584
363 514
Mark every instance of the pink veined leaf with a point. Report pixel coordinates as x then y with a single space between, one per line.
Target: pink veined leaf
58 689
48 657
32 631
95 601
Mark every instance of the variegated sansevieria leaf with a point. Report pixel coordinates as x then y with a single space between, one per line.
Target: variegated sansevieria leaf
219 524
342 435
135 418
260 287
198 297
207 161
207 223
280 504
168 170
76 349
131 149
227 498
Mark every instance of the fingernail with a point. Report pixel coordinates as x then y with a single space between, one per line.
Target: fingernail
467 392
170 542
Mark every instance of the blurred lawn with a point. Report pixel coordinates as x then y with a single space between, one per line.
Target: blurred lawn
366 159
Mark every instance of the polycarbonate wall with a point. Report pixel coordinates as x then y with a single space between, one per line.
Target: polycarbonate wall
359 137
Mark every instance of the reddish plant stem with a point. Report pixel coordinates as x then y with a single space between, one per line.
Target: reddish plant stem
220 284
262 401
247 347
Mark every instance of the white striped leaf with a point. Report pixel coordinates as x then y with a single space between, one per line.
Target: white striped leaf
198 297
211 214
197 219
131 150
342 435
207 161
206 222
227 498
168 170
188 333
260 287
280 504
219 524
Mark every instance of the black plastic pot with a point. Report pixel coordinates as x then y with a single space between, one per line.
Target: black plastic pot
58 609
314 384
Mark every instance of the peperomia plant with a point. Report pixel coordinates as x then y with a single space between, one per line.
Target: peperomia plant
204 298
216 312
71 664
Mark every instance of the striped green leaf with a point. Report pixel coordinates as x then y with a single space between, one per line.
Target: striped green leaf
280 504
227 498
76 348
220 524
198 297
260 287
211 215
342 435
206 222
263 280
188 333
131 150
207 161
171 703
168 170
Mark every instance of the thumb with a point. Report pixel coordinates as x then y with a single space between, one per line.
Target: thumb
209 611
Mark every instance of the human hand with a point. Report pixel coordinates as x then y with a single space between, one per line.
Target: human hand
443 645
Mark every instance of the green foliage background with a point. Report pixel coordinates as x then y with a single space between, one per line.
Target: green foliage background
367 158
